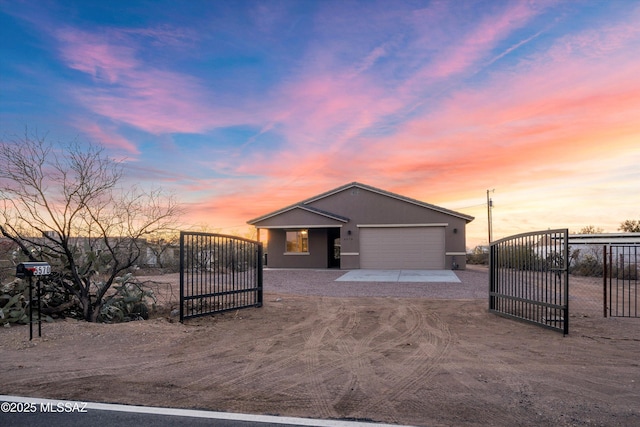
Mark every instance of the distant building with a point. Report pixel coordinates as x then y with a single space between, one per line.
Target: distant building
583 245
604 239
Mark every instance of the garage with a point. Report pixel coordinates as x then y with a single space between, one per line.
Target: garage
409 248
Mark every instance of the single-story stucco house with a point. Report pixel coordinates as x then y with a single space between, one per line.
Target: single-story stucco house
357 226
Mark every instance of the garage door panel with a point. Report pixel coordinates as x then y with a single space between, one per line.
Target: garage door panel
402 248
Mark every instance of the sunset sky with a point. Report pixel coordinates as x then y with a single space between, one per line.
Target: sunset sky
243 107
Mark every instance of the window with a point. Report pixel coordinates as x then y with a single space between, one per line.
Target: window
298 241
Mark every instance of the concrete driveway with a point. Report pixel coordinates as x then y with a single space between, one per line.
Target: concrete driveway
420 276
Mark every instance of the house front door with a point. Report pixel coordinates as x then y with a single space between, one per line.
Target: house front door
333 247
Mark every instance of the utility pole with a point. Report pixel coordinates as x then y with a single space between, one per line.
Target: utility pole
489 206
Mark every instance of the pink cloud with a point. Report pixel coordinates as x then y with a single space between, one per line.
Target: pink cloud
460 56
141 171
157 102
106 137
326 110
149 99
596 43
95 56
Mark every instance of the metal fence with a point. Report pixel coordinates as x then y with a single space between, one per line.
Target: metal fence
218 273
620 277
529 279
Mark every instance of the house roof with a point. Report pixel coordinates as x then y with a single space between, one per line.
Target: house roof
305 204
304 208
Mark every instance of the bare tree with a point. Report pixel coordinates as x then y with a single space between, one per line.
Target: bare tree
65 204
161 246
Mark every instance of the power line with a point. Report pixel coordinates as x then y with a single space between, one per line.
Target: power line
469 207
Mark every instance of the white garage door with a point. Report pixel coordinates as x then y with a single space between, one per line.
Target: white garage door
395 248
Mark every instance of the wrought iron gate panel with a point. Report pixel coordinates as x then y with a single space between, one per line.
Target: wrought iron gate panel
218 273
621 280
529 278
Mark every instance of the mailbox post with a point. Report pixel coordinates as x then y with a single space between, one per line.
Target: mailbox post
30 270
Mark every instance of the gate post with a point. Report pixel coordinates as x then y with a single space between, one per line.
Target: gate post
181 275
604 280
565 257
260 276
492 276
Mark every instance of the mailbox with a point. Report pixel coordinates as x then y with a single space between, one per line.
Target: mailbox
29 269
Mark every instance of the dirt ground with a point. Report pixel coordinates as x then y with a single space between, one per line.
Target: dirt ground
417 361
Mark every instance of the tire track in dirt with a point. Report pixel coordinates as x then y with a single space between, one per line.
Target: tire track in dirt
352 353
338 366
353 350
85 364
361 355
345 356
312 348
274 369
362 380
433 341
315 360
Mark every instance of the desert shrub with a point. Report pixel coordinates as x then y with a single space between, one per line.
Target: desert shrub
130 301
518 257
587 266
478 258
14 303
14 299
628 272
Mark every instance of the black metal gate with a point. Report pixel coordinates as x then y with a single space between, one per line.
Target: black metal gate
621 280
529 278
218 273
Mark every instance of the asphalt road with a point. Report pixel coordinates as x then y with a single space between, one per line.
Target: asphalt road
18 411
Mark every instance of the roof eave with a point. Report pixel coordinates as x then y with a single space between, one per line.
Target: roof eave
299 206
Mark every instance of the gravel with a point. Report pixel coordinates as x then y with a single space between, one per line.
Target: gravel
474 284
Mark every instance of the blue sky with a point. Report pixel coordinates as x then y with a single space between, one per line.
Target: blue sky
243 107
